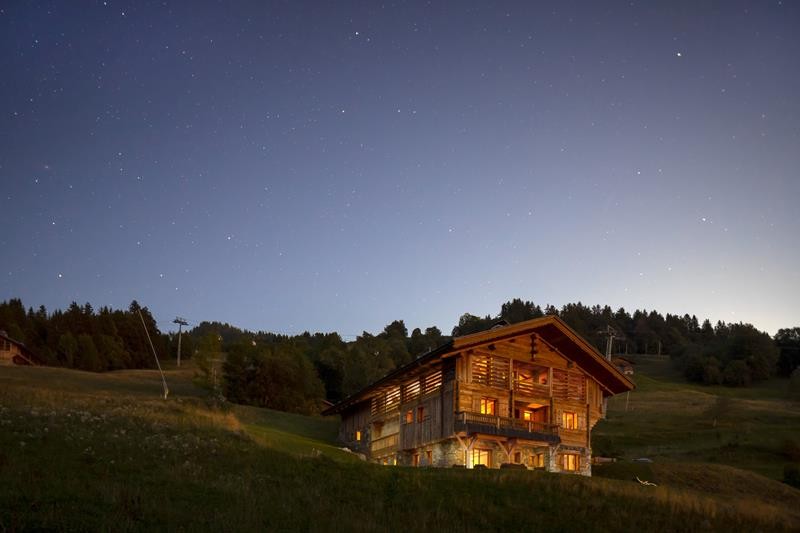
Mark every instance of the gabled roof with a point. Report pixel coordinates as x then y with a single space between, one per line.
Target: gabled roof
551 329
27 356
564 340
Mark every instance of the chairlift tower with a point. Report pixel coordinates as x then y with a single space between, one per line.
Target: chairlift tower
181 322
610 334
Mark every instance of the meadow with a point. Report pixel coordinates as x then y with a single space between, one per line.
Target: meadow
671 421
82 451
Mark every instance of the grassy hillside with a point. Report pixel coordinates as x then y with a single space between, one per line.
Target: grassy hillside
83 451
669 420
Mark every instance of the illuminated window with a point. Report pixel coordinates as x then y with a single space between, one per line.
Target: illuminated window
569 420
358 435
415 459
420 414
409 416
570 462
488 406
536 460
482 457
527 415
429 457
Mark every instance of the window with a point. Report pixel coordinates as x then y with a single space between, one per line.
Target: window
415 460
409 416
569 420
429 457
358 435
517 457
481 456
570 462
420 414
536 460
488 406
527 415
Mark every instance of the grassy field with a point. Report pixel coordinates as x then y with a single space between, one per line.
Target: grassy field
669 420
82 451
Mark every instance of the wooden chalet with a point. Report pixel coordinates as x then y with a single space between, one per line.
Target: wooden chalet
527 394
623 365
13 352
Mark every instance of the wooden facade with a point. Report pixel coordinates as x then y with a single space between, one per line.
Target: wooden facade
13 352
528 394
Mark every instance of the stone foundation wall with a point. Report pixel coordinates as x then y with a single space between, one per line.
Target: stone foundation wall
449 453
584 455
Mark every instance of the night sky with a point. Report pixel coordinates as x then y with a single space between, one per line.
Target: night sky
291 166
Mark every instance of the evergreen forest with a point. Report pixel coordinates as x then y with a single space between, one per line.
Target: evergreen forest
300 372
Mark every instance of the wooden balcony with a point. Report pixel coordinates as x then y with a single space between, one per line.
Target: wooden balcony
506 427
534 390
385 444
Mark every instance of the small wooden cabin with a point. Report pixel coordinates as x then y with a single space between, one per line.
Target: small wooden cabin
623 365
13 352
524 394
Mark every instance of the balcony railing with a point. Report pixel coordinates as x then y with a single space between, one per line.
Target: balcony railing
508 427
384 444
529 388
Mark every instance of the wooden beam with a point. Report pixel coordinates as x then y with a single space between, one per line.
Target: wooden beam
588 426
466 448
512 443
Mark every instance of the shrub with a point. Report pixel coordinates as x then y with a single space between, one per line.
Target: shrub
712 375
791 450
794 383
736 374
791 475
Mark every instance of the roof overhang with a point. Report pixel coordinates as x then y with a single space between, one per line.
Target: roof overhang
551 329
562 338
420 364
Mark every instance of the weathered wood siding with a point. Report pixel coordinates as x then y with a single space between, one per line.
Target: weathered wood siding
422 429
489 372
448 397
356 419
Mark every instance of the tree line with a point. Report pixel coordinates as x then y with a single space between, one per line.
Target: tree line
83 338
300 372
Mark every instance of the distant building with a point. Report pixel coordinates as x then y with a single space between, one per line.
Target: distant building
623 365
13 352
521 395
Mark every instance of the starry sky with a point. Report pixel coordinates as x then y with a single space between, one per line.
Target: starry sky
291 166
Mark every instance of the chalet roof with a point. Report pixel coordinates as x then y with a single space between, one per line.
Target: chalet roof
550 328
27 355
4 335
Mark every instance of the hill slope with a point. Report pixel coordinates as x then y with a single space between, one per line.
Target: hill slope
85 451
669 420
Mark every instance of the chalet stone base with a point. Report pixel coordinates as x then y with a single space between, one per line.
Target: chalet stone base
450 453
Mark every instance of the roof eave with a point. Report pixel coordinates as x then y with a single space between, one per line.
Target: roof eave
419 361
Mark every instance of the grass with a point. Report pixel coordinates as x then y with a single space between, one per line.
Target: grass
82 451
669 420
